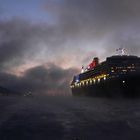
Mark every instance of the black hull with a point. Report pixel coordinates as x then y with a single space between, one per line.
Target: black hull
124 86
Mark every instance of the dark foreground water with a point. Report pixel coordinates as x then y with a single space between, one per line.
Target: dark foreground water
69 118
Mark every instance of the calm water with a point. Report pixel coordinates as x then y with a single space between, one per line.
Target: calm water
69 118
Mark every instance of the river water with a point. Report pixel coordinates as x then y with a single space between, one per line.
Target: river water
69 118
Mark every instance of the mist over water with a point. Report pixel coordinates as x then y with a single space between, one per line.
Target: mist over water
69 118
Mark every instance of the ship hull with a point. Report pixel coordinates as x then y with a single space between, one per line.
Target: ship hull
123 86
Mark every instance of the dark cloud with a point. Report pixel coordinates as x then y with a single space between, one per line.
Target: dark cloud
100 13
81 27
49 79
99 25
22 42
14 37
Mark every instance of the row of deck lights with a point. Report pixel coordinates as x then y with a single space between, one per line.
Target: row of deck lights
90 81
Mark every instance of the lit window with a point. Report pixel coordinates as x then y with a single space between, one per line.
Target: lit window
123 81
124 70
90 81
104 78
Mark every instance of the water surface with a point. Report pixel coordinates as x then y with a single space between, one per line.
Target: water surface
69 118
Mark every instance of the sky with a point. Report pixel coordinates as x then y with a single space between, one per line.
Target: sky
43 43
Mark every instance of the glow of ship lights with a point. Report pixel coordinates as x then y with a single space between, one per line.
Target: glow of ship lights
90 81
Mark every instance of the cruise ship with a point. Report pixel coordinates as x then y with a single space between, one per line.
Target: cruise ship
117 76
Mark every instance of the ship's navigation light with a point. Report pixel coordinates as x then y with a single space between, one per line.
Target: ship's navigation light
123 81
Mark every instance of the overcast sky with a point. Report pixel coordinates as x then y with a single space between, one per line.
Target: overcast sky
56 37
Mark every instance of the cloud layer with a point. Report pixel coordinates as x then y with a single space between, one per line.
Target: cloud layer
49 79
